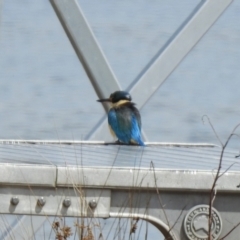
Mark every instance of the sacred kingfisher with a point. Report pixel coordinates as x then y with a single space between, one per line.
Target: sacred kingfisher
124 118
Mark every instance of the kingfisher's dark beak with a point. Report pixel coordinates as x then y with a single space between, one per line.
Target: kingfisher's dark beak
104 100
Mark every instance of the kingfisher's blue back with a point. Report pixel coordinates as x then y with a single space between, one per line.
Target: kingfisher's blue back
125 122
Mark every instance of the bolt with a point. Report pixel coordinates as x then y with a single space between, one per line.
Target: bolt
41 201
67 202
14 200
92 203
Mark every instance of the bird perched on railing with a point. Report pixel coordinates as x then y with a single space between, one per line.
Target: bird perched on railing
124 118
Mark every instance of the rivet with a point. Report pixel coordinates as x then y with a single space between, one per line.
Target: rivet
14 200
67 202
92 203
41 201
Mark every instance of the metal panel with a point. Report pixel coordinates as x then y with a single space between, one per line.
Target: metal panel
30 175
168 180
115 178
54 198
171 207
132 170
127 193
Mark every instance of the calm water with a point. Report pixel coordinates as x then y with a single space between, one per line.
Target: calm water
45 93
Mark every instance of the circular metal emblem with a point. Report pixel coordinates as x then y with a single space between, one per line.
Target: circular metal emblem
196 223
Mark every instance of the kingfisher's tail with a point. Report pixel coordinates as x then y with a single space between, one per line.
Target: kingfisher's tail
137 141
141 143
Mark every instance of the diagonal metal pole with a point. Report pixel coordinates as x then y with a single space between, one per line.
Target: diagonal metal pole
181 43
157 71
86 47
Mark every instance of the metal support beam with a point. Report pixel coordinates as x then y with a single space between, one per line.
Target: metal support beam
130 188
86 47
145 179
123 193
56 201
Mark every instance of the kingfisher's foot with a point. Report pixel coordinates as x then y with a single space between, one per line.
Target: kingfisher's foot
120 143
127 144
